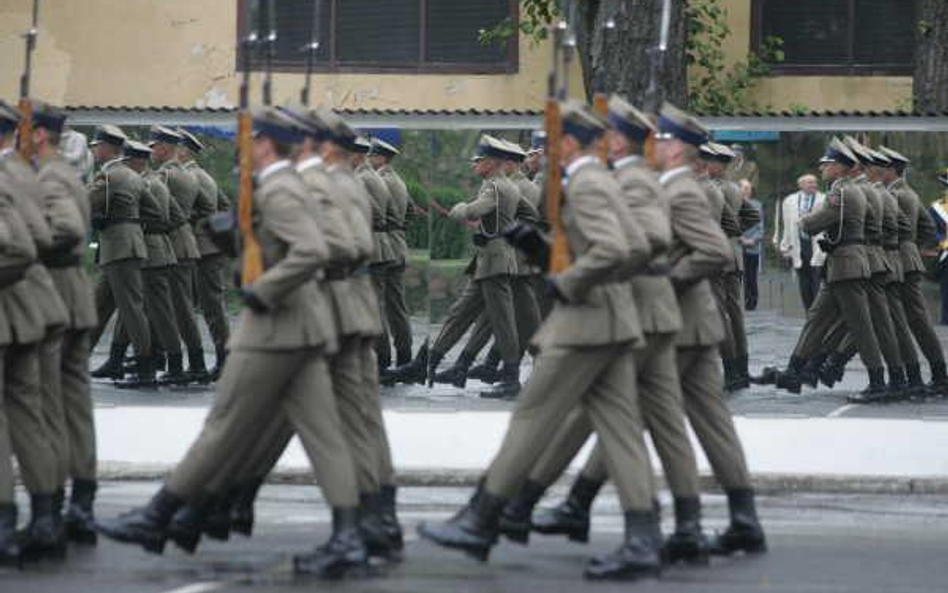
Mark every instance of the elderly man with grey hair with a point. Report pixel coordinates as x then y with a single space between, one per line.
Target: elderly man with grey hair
795 244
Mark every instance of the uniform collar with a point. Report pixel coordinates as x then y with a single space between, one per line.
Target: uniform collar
273 168
313 161
666 177
579 163
109 164
627 161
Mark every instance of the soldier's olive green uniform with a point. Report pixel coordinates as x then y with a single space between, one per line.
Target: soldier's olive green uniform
659 386
209 277
184 191
920 229
67 400
158 268
116 194
586 347
278 357
38 318
489 286
384 254
734 346
397 320
843 294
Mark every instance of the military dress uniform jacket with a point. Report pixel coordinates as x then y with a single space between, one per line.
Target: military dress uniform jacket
920 228
892 221
699 251
494 208
397 212
528 189
875 213
115 196
156 223
596 308
299 314
35 298
17 252
67 209
842 216
720 209
184 192
378 191
205 204
654 294
745 216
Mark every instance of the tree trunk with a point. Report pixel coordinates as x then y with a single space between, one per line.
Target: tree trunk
618 60
931 57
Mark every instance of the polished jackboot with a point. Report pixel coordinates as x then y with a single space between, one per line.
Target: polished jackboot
342 555
145 526
114 365
376 539
571 517
789 379
688 543
142 378
44 536
745 532
197 371
939 385
241 514
736 375
9 547
876 392
390 516
810 373
456 374
767 376
80 519
638 556
898 386
915 387
220 357
487 371
187 524
175 374
434 359
515 521
509 385
415 371
473 530
217 522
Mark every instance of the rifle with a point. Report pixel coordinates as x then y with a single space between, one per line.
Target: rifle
25 131
271 48
559 250
600 99
653 94
312 47
253 255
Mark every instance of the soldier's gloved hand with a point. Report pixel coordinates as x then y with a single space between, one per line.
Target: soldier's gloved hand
221 229
252 302
552 290
529 241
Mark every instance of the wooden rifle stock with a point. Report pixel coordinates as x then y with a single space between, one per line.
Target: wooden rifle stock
252 254
601 106
25 129
559 250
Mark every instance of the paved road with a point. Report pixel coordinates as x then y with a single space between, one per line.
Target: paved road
844 544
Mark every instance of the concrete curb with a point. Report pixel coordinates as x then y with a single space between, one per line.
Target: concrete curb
764 483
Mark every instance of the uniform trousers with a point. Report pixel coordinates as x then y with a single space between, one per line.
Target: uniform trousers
729 292
526 313
209 285
397 321
883 326
159 310
846 300
26 423
181 285
120 288
918 320
599 380
492 295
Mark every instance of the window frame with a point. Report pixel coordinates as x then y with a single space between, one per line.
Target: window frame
510 65
849 68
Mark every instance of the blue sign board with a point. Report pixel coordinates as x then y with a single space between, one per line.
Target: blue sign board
745 136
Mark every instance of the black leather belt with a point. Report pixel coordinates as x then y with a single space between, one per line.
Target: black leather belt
480 239
338 273
61 260
656 270
120 220
845 242
379 228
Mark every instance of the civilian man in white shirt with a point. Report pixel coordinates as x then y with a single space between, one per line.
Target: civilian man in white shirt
793 243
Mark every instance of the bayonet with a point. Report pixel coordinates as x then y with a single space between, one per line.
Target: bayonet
653 94
25 132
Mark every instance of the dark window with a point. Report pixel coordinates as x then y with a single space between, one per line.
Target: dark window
838 36
386 35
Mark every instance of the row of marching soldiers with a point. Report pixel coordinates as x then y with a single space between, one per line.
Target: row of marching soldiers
629 346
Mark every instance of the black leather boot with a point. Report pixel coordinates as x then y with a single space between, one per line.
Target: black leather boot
220 357
790 378
44 536
343 554
638 556
939 385
114 365
145 526
515 520
744 533
898 386
810 373
876 392
241 514
197 371
509 385
175 374
473 530
487 371
390 516
434 359
374 534
915 386
217 521
187 524
767 376
80 519
741 374
571 517
402 357
415 371
688 543
456 374
142 378
9 547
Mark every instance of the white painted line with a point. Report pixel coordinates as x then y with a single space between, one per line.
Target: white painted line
198 587
840 411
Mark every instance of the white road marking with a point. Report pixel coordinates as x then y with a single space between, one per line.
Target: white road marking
840 411
199 587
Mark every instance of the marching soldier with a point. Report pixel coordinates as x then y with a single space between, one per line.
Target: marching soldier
68 403
209 273
277 366
396 322
184 192
36 318
586 360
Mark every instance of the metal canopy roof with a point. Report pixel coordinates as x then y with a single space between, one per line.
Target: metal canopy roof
513 119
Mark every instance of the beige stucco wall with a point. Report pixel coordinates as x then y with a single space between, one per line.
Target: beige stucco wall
181 53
